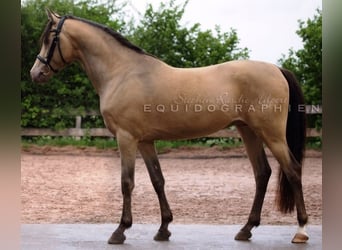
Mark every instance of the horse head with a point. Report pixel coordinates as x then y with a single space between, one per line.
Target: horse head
56 50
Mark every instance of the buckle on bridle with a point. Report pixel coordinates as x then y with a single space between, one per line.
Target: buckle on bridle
47 64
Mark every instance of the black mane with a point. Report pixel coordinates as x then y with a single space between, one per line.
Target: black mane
121 39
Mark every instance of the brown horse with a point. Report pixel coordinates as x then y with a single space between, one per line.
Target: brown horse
142 99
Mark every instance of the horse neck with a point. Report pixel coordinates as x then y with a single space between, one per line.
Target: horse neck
103 58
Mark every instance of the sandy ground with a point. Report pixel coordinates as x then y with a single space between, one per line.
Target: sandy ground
210 186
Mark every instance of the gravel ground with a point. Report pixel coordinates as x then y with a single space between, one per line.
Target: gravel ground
210 186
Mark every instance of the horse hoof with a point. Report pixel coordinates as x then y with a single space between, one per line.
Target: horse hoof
300 238
117 239
162 236
243 235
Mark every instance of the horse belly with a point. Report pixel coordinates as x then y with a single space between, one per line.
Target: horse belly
185 126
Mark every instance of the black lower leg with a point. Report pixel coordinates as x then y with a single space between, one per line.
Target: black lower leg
163 233
149 154
262 173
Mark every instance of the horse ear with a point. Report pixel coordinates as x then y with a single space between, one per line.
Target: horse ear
52 16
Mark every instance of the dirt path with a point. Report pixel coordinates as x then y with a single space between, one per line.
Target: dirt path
211 186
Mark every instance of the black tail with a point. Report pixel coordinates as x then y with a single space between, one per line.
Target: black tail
295 135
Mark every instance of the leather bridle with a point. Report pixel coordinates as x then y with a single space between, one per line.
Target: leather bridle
55 42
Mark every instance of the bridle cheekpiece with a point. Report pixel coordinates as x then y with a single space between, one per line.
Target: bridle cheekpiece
55 42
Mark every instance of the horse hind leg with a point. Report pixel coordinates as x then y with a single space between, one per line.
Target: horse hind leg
290 192
262 173
149 155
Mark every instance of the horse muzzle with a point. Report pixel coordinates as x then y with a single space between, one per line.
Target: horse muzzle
40 75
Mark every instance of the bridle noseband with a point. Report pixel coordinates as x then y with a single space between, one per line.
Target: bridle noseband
54 43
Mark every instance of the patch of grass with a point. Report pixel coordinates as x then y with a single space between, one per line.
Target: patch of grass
314 143
223 143
162 146
101 143
105 143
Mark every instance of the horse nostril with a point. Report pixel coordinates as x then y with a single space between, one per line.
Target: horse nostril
36 75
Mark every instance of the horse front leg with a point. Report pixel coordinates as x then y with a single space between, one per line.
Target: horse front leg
149 155
128 147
